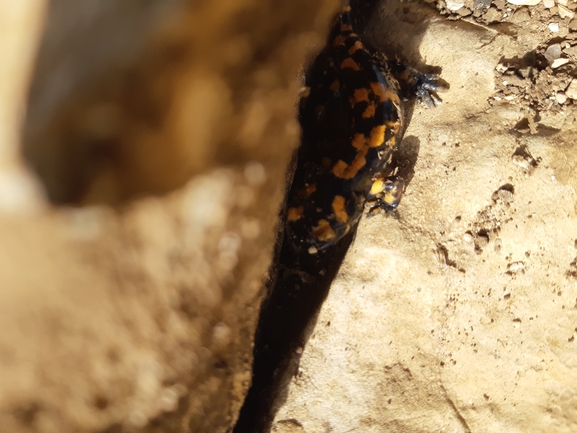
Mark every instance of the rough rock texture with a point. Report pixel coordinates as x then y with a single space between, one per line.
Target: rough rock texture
140 317
459 313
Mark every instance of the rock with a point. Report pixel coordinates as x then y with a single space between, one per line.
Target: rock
408 341
571 91
553 52
561 97
141 317
524 2
565 12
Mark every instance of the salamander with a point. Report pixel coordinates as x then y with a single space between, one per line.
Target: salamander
352 121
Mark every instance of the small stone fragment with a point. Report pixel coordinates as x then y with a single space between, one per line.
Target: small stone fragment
515 267
571 91
481 4
498 244
548 3
565 12
573 25
559 62
554 27
561 97
454 5
524 2
553 52
571 51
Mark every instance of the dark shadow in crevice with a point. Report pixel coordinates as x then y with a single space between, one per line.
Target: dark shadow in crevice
298 286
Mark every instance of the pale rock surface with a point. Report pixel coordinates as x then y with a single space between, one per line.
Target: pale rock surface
459 313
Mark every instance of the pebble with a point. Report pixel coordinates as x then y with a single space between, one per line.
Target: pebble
554 27
553 52
573 25
561 97
548 3
454 5
565 12
524 2
559 62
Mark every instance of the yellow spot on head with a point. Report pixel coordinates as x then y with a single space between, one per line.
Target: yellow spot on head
346 28
323 231
294 213
350 63
339 209
377 136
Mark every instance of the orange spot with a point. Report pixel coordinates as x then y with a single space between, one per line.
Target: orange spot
377 136
307 190
377 186
346 28
369 112
345 9
358 45
295 213
323 231
361 95
335 85
359 141
339 209
339 168
379 90
350 63
345 171
358 163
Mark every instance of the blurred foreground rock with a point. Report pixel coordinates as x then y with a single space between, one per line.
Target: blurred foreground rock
141 317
